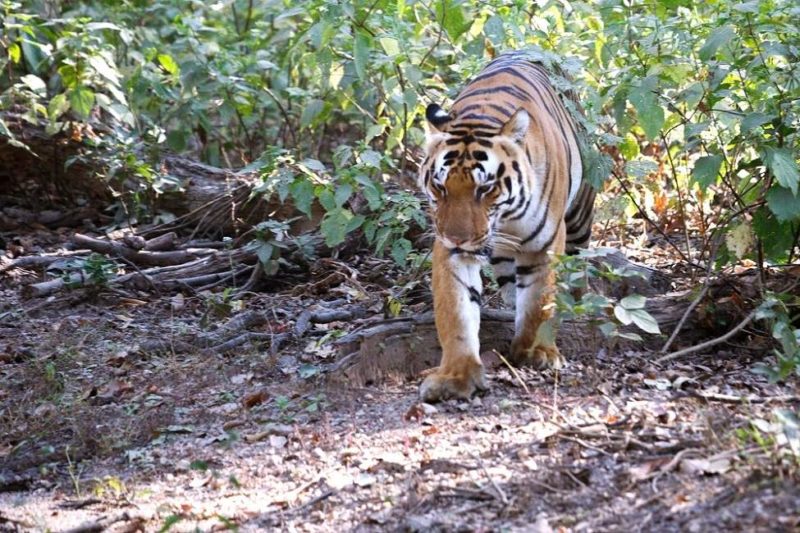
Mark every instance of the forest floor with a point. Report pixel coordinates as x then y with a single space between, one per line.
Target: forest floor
98 430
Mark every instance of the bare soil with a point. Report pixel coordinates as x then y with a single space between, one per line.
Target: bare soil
107 422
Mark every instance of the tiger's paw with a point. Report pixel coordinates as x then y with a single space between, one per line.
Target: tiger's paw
460 384
540 357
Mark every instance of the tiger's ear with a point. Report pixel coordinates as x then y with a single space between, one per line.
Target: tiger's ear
437 117
517 126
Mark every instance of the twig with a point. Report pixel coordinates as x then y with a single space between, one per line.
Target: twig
313 501
513 372
500 494
546 486
684 317
250 336
102 524
730 398
712 342
587 445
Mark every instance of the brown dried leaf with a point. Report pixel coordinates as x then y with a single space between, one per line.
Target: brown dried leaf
254 398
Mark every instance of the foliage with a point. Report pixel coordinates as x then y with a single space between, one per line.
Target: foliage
574 276
697 103
776 310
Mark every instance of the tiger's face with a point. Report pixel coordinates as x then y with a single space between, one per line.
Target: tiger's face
471 178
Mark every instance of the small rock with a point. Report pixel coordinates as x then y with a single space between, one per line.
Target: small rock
428 409
318 453
477 402
364 480
277 441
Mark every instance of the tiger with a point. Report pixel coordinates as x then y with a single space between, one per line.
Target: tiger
503 177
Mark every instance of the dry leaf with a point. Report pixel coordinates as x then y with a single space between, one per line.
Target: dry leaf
415 412
254 398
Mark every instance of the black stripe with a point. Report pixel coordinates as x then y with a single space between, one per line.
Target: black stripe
510 69
512 90
582 239
474 295
501 169
526 270
499 259
474 125
472 107
505 280
478 116
524 210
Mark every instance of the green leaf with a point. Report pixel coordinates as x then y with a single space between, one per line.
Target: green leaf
645 321
450 15
754 120
400 249
177 140
596 165
494 30
634 301
337 224
651 115
35 84
622 315
81 99
361 48
390 46
310 112
168 64
58 106
777 237
302 191
264 252
342 194
373 131
326 199
719 37
371 158
706 170
629 147
371 191
14 52
783 166
784 203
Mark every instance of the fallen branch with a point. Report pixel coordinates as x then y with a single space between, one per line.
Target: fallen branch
688 312
101 524
39 261
710 343
140 257
730 398
275 341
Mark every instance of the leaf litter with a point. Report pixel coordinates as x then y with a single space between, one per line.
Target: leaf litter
256 438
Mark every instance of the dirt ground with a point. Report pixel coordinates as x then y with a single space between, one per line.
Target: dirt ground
106 423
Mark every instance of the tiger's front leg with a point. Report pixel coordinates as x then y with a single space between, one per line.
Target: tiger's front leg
534 341
456 302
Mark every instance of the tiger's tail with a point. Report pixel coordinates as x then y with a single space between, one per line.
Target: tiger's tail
579 219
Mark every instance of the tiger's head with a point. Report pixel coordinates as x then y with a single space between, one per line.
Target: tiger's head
473 176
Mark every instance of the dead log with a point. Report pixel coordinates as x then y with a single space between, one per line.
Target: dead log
399 349
139 257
